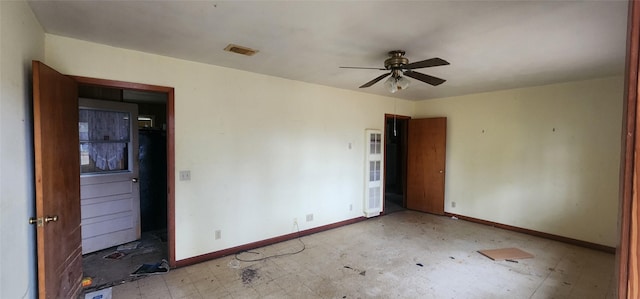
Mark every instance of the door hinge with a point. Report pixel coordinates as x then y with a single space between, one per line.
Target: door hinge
38 221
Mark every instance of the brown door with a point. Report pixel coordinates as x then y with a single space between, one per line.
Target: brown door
57 170
426 164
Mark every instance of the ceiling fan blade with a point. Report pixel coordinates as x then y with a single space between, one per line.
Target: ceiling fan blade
374 81
425 63
424 78
362 68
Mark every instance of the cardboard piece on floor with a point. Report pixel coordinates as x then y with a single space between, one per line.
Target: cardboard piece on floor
505 254
100 294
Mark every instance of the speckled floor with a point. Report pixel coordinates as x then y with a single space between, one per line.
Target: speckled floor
401 255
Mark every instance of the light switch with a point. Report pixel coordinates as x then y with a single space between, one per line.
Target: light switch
185 175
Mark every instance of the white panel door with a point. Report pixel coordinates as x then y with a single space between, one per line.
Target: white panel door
109 191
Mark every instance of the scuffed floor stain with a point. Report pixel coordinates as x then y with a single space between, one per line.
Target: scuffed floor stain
248 275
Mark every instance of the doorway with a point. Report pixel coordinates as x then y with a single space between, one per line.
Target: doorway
113 262
395 162
57 176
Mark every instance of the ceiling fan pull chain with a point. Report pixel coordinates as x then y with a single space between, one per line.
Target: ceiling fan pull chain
394 117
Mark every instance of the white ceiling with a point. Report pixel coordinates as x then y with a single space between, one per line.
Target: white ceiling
491 45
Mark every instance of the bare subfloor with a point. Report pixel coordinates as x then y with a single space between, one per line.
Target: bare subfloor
105 272
402 255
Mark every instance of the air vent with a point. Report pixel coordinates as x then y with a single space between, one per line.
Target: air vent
240 50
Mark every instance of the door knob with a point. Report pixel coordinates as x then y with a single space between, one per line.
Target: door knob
441 171
135 180
50 218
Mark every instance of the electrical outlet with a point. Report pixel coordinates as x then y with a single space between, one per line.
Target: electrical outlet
351 207
309 217
185 175
218 234
453 204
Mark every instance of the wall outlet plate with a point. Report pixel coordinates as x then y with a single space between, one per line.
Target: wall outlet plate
309 217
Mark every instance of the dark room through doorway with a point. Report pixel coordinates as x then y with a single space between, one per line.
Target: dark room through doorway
395 163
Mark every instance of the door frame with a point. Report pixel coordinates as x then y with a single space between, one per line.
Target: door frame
169 91
403 165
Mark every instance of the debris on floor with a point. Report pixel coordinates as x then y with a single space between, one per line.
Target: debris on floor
148 269
100 294
128 246
87 281
454 218
106 272
116 255
363 273
512 261
419 264
234 264
505 254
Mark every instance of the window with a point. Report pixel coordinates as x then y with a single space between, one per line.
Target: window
104 141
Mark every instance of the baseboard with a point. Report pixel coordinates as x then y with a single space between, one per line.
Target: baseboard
234 250
581 243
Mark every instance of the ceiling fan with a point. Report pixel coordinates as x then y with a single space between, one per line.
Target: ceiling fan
399 65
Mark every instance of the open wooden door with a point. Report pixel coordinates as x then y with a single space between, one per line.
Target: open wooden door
426 153
57 178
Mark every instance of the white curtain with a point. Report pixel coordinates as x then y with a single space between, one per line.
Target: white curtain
106 134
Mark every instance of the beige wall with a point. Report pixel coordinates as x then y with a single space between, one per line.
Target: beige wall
544 158
21 40
261 150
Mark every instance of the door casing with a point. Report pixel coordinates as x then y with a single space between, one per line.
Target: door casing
403 149
170 146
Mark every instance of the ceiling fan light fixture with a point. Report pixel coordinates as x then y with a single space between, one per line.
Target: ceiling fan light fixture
395 83
391 84
403 83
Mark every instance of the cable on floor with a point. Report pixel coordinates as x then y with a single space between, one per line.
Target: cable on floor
237 255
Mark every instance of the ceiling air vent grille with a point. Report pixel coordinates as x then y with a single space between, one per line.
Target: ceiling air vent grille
240 50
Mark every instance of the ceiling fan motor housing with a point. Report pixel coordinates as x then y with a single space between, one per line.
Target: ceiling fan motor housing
396 60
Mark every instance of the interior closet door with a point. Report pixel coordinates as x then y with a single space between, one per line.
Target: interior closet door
426 155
